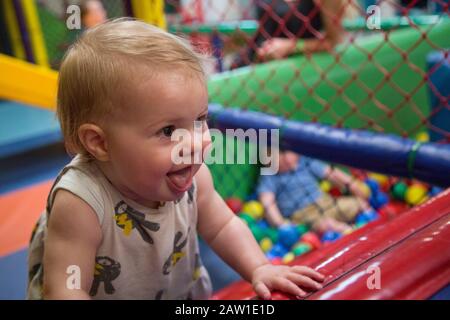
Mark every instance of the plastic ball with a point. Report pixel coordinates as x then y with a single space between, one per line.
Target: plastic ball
335 192
347 231
278 250
254 209
423 136
330 236
371 214
270 256
435 191
258 232
373 185
302 229
288 257
248 219
358 174
366 216
360 224
272 233
301 248
325 186
398 190
378 199
251 197
288 235
364 188
234 204
312 239
266 244
380 178
263 224
361 220
392 209
415 194
276 261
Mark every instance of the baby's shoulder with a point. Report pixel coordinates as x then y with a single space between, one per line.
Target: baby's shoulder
82 184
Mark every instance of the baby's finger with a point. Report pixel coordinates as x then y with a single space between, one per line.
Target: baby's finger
306 271
262 291
304 281
288 286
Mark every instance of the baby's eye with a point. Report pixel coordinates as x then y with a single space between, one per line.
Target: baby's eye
167 131
203 118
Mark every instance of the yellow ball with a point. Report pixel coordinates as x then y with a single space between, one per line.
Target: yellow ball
348 231
364 189
265 244
288 257
254 209
325 186
423 136
415 194
380 178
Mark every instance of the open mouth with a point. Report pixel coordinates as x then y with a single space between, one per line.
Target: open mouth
180 180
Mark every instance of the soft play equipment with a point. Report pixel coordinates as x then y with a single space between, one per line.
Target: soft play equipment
27 83
367 150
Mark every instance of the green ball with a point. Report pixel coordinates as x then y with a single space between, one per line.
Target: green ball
399 191
360 224
258 232
302 229
248 219
301 248
272 233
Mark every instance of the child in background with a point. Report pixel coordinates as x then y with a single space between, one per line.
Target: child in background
92 13
122 219
294 195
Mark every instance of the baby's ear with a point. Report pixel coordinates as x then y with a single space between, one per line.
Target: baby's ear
94 141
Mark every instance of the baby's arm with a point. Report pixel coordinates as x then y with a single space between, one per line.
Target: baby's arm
74 234
233 241
272 212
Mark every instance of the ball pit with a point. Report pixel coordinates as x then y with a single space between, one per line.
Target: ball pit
388 197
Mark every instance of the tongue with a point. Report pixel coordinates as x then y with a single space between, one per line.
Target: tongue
180 178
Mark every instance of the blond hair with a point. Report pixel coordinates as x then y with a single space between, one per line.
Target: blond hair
97 63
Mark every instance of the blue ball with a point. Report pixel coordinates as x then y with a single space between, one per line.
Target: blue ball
373 185
270 256
372 215
288 235
263 224
378 200
435 191
251 197
367 216
330 236
278 250
361 219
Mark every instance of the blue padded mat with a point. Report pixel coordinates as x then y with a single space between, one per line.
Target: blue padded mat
24 128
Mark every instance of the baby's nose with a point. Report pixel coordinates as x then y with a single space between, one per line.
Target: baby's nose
195 146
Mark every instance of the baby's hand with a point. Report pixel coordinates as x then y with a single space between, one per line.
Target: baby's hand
285 278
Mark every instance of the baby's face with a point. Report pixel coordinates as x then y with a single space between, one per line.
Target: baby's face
140 145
